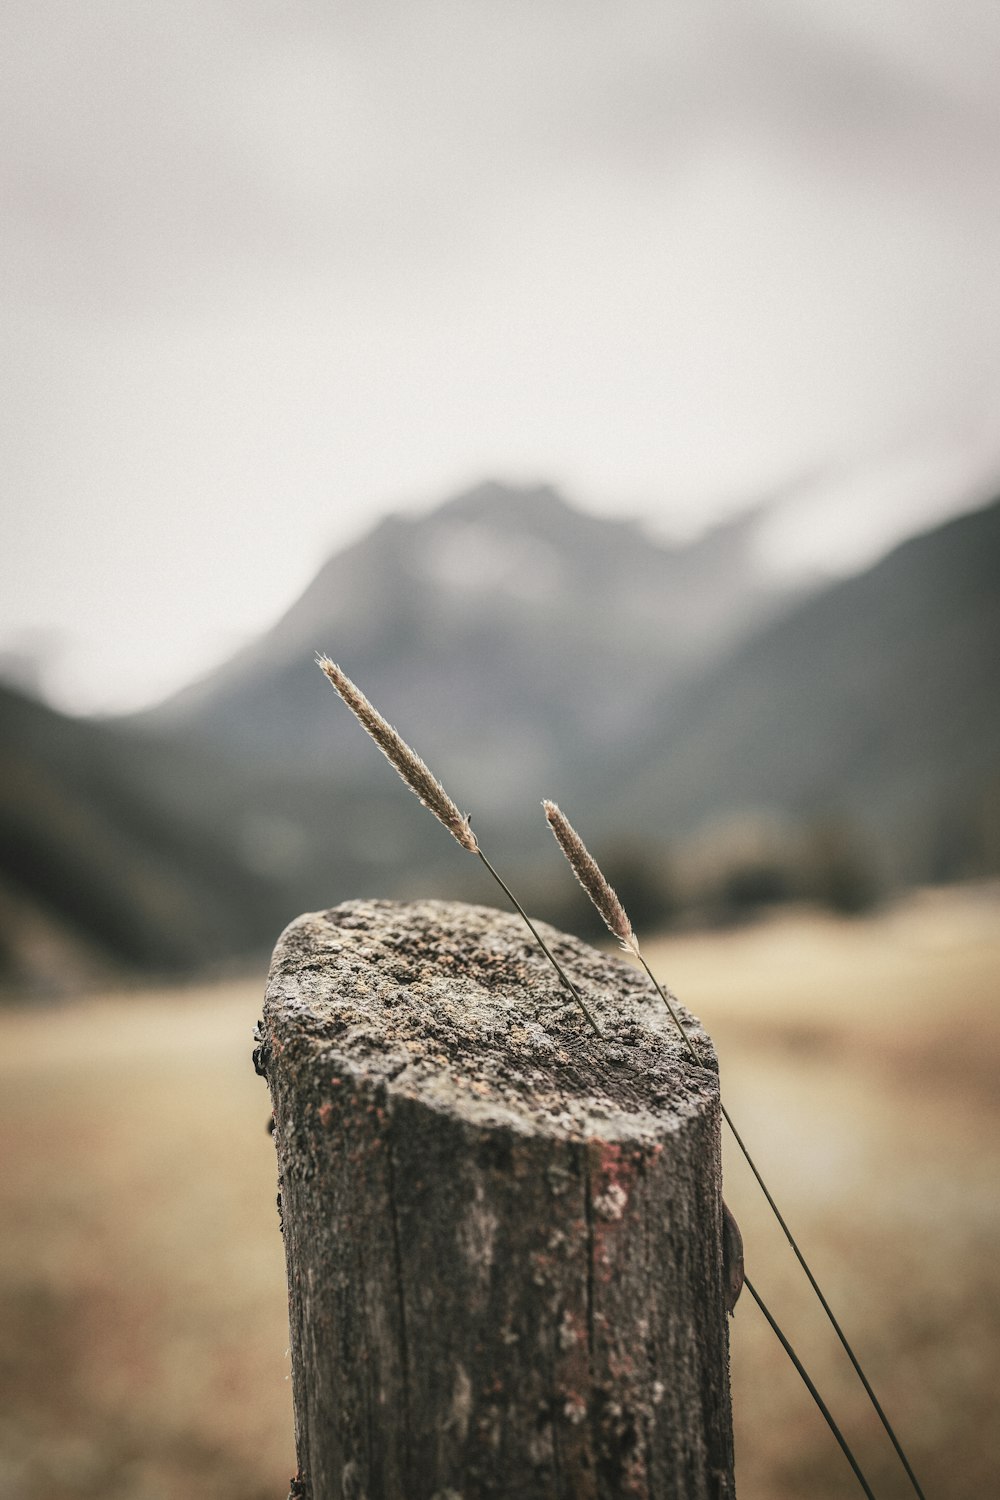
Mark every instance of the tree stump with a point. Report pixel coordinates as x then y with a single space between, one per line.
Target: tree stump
503 1234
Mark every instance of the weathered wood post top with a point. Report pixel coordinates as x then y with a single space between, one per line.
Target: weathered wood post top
503 1234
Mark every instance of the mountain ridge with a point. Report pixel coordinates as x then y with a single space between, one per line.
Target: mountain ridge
883 687
872 700
491 563
103 839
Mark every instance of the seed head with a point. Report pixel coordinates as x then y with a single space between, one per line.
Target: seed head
588 873
407 762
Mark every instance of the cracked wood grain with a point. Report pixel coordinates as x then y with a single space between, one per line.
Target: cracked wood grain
503 1235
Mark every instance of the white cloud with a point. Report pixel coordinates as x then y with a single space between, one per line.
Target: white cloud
269 267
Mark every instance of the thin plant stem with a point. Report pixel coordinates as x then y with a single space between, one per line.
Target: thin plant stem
432 794
674 1013
588 873
876 1404
785 1344
810 1387
426 787
564 977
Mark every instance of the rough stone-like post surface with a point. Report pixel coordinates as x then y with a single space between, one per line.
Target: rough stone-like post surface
502 1234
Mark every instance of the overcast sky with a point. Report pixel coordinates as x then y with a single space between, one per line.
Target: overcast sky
271 267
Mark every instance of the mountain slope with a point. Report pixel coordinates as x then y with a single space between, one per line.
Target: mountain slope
104 843
876 700
526 651
497 630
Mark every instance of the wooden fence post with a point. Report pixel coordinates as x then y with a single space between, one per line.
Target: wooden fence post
503 1235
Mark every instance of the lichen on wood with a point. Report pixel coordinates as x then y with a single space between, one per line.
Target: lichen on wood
503 1234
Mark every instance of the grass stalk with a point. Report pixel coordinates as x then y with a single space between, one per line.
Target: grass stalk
564 977
810 1387
430 792
426 787
612 913
796 1250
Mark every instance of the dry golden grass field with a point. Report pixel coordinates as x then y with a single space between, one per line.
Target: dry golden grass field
142 1306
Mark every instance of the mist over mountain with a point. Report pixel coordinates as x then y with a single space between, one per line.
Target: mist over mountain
875 701
503 631
526 650
530 650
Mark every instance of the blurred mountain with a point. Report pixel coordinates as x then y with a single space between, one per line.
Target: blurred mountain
875 702
526 650
108 864
503 631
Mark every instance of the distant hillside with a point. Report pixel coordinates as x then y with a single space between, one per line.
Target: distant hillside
527 651
107 857
876 701
503 630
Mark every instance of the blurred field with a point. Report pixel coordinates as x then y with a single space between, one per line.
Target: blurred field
142 1306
